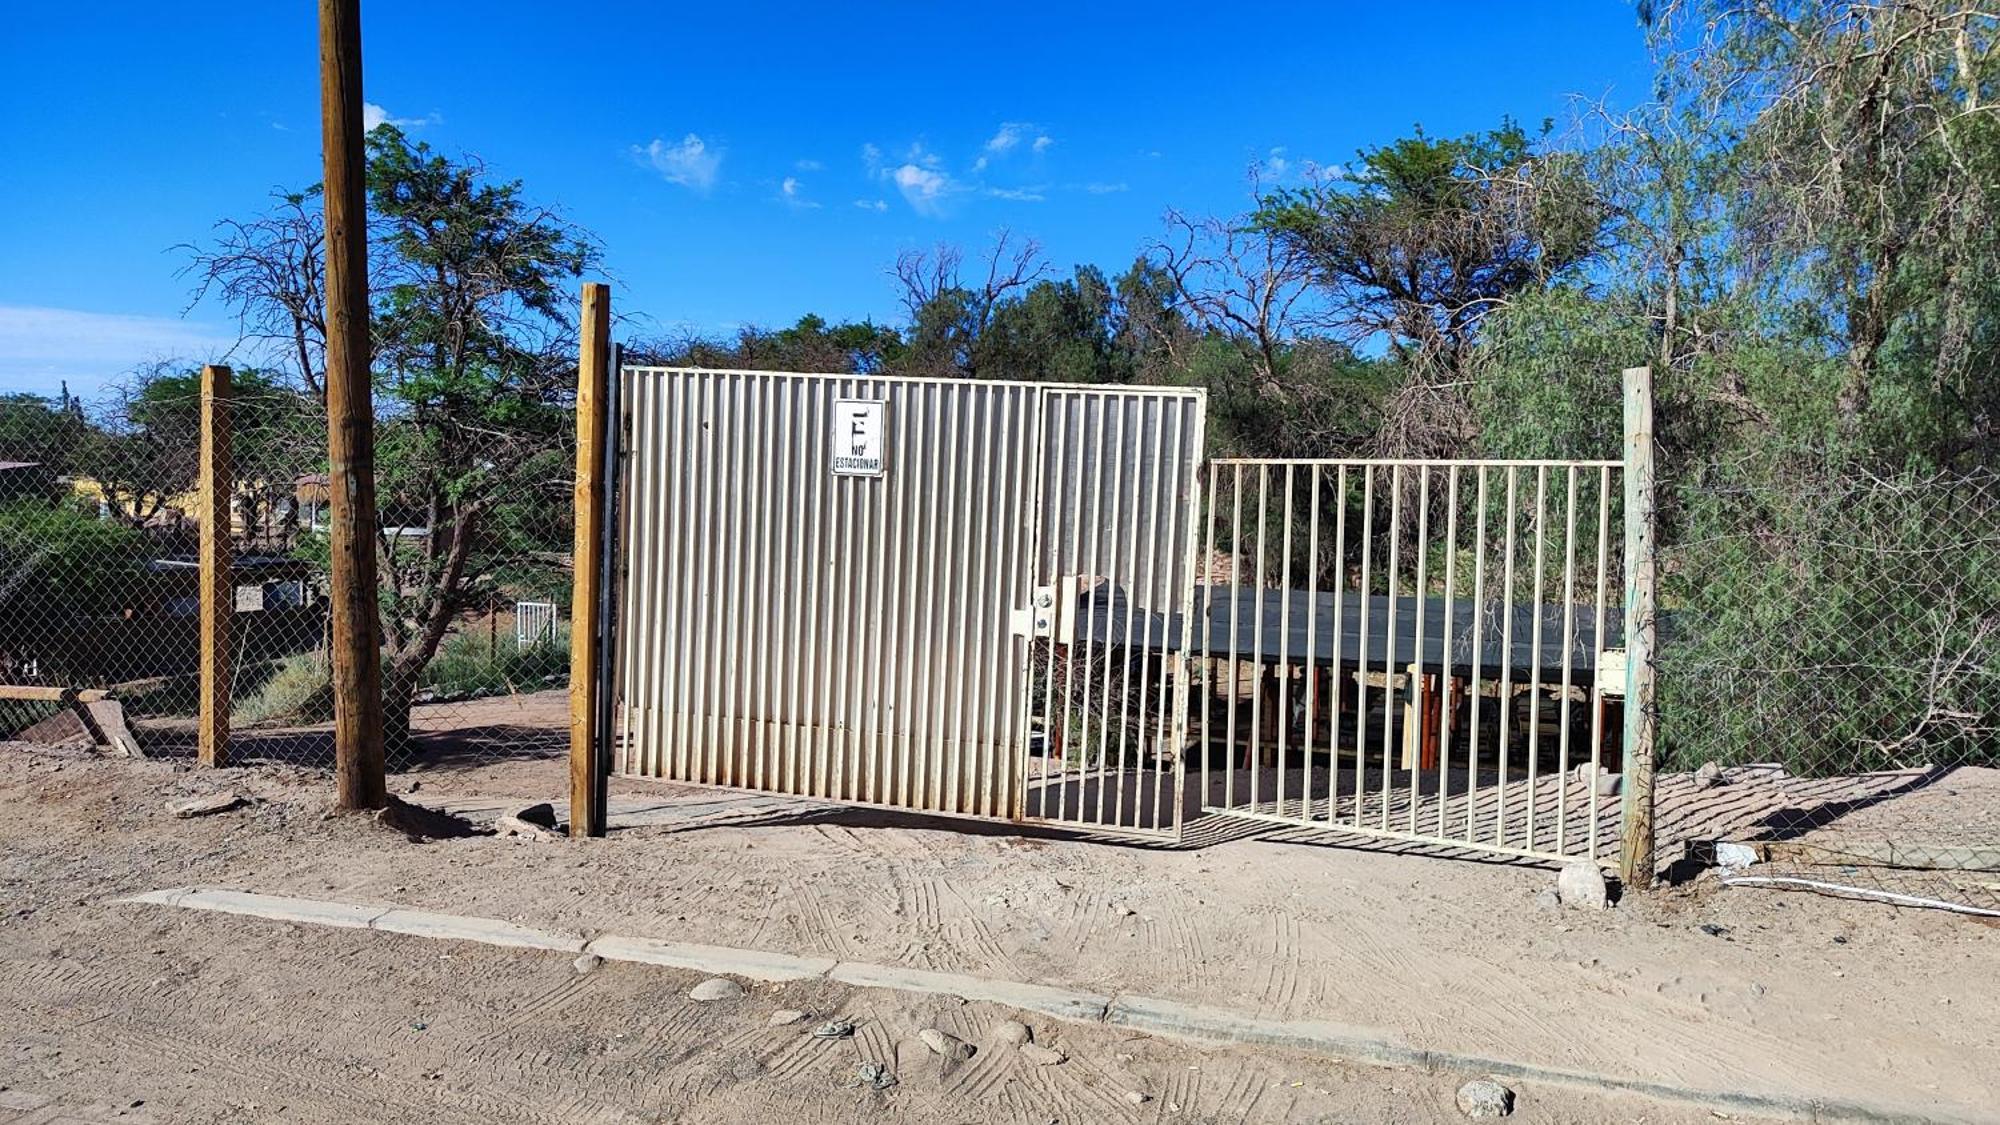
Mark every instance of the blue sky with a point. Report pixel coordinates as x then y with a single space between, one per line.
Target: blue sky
742 162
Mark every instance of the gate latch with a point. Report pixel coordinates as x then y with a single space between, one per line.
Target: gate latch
1042 618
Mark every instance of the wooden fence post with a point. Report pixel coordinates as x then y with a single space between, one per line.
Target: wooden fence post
218 585
1635 855
586 774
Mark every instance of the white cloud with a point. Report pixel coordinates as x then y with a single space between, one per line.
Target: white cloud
808 165
872 204
871 157
1012 135
691 163
1018 195
1100 188
374 117
41 347
1275 163
792 192
925 189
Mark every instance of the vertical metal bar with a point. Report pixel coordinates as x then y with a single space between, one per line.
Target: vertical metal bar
821 646
1361 786
733 669
979 601
1413 739
1155 411
1598 646
1257 641
1478 654
1168 497
1337 667
1389 637
644 512
1189 486
994 594
801 532
1235 671
775 457
876 620
916 469
1209 515
777 601
1569 645
1284 643
927 713
1311 662
851 660
1446 700
694 657
626 686
1031 456
686 567
1115 575
1069 587
1506 722
1534 752
1058 522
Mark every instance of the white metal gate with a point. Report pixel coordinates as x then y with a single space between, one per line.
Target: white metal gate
1417 650
855 588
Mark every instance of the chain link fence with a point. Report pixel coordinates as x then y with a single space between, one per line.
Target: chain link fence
1829 673
100 588
1829 677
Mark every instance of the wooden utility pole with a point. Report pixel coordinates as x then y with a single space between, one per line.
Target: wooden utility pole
1635 854
587 775
350 418
218 584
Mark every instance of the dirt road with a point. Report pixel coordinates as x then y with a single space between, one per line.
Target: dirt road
211 1018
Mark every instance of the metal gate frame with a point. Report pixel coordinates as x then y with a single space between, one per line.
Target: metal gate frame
1414 800
869 741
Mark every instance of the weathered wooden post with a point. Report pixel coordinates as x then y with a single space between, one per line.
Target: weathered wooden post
1635 856
350 419
587 798
215 560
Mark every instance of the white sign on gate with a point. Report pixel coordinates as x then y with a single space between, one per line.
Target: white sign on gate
856 439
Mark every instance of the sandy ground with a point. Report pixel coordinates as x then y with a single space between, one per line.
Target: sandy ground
207 1018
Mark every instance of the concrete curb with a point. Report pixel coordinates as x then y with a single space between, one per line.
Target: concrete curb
1193 1022
1061 1003
720 960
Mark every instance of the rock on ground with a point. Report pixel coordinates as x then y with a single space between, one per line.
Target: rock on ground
785 1017
540 814
1582 886
715 988
946 1044
209 805
1483 1097
507 824
1013 1031
1042 1056
1708 776
587 963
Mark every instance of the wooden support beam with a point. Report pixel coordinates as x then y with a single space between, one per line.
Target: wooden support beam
587 798
358 758
1635 854
218 583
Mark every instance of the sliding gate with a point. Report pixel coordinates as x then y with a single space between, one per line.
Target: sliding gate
1430 651
960 597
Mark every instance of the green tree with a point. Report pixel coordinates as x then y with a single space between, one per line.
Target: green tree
1420 240
474 376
